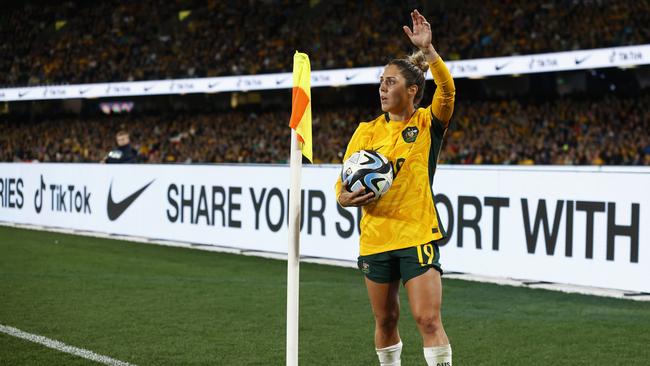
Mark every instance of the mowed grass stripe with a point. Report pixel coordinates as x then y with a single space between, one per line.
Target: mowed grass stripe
155 305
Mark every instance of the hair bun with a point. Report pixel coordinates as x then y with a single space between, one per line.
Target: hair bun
419 61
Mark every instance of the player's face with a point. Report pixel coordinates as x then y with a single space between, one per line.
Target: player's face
392 90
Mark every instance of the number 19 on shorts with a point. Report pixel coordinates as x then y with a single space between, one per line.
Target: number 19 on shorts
428 251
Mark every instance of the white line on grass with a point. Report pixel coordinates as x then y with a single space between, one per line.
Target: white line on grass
62 347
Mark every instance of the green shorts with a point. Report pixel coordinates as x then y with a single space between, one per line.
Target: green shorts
404 263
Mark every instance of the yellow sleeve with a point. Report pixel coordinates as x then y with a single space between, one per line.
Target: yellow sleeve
354 145
442 105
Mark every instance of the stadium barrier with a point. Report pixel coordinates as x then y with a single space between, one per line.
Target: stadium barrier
625 56
576 225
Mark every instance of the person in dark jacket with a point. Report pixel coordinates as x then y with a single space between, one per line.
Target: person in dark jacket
124 153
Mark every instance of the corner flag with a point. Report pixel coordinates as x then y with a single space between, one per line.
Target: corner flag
301 103
300 124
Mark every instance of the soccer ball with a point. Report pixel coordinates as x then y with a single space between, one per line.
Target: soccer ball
368 169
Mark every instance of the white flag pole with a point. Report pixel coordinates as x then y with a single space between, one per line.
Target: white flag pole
293 254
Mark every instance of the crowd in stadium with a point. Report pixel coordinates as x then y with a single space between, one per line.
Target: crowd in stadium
611 131
79 41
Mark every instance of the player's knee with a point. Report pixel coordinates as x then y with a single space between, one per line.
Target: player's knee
428 322
387 321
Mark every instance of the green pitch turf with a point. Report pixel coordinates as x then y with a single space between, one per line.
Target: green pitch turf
154 305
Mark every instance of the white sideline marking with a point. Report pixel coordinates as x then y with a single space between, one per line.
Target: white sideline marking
62 347
573 289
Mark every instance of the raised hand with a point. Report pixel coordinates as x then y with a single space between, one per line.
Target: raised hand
420 36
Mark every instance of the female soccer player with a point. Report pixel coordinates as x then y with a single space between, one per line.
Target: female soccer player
399 231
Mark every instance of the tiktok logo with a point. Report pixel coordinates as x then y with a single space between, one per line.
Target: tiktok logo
69 198
38 196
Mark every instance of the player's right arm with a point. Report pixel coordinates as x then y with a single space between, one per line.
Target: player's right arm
356 198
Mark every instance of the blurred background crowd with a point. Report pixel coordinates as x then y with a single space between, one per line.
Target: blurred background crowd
44 42
96 41
611 131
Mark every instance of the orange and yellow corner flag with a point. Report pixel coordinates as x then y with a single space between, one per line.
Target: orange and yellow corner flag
301 103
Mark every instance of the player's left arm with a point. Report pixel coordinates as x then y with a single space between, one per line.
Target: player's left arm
442 105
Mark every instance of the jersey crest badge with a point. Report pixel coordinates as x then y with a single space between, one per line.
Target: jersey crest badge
410 134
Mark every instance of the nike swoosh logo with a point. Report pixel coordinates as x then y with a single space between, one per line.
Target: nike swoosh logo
84 91
20 95
116 209
147 88
499 67
212 85
280 81
350 77
581 60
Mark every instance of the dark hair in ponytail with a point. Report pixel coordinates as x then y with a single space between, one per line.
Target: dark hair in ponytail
413 68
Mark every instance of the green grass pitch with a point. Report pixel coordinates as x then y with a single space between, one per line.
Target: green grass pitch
155 305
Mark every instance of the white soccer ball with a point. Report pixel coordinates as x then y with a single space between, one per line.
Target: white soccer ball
370 170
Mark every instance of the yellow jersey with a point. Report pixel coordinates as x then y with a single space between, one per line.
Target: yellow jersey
406 215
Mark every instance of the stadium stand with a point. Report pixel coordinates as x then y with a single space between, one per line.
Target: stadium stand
79 41
610 131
